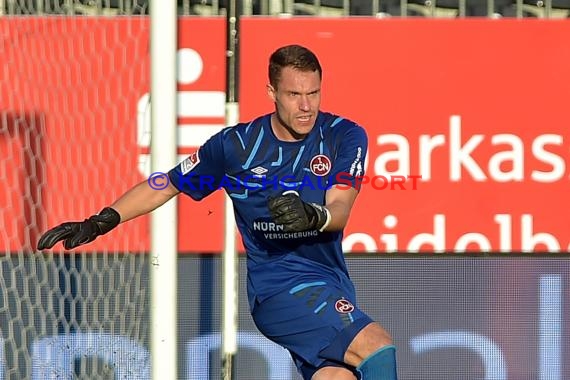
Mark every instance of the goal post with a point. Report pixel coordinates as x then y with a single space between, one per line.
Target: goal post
229 256
164 227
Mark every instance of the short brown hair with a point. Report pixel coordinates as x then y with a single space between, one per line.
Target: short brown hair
296 56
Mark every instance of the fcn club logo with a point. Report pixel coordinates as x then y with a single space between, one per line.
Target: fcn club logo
320 165
344 306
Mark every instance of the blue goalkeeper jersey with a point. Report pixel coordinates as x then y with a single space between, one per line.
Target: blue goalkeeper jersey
251 165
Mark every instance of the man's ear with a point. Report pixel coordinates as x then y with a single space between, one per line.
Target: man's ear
271 92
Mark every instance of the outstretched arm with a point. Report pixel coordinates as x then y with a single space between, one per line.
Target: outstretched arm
139 200
142 199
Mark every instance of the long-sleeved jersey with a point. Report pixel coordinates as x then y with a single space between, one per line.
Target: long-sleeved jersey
251 164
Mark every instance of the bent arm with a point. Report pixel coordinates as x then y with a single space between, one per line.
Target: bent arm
339 202
142 199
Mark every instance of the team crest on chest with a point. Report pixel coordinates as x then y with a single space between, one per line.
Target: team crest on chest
320 165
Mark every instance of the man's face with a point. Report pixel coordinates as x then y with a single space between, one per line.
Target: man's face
297 101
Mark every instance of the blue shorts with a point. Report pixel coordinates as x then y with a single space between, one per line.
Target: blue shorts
316 321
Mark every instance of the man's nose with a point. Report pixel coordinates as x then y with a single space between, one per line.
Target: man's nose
304 104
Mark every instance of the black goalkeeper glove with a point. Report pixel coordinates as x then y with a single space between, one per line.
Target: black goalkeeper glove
75 234
295 215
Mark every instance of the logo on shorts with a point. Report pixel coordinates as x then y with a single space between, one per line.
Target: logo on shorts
320 165
343 306
189 163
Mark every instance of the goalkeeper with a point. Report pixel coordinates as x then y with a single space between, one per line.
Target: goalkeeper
299 290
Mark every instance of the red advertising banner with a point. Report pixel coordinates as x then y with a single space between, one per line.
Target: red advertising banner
475 107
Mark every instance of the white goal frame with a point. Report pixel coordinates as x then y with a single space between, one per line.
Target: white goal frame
164 225
164 237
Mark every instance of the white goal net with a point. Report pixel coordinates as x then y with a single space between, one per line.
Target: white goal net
69 89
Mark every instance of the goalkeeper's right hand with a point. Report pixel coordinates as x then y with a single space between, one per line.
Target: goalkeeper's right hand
75 234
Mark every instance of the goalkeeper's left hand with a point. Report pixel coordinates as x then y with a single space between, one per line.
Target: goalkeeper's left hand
296 215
